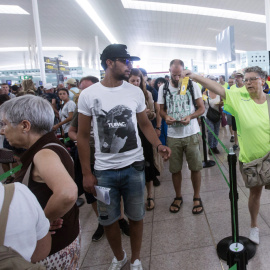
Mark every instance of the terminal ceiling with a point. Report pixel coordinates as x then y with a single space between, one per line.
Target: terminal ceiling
65 24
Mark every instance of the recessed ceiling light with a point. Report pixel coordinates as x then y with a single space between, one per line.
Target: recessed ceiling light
25 49
185 46
12 9
90 11
196 10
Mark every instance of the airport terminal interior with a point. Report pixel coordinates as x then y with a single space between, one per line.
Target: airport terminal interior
55 42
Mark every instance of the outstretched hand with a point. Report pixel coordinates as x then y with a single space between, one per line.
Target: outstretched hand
187 73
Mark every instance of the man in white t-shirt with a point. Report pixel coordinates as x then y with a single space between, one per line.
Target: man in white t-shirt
27 230
178 110
116 107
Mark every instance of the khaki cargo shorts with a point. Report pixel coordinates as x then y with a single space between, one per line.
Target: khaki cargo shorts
191 147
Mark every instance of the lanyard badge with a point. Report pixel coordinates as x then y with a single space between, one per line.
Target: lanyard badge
183 83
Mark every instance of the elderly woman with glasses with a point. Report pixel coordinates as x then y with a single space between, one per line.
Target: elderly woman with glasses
47 169
250 109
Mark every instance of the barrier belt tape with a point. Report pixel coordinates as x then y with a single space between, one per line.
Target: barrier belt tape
216 161
9 173
221 143
66 139
234 267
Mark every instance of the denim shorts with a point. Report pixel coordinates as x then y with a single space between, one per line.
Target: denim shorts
128 182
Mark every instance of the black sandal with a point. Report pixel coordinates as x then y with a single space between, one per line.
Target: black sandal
197 206
175 205
148 207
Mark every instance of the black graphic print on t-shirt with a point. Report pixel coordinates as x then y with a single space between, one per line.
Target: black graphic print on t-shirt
116 131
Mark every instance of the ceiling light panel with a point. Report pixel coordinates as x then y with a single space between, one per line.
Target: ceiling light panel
195 10
12 9
92 14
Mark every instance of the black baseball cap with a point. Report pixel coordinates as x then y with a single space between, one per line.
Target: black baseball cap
117 51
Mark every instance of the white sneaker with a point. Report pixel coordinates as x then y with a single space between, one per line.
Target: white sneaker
117 265
254 235
137 265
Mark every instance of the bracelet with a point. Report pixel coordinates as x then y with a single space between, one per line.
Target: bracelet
159 128
158 146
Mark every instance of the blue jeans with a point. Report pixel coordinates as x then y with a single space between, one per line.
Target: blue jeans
127 182
213 142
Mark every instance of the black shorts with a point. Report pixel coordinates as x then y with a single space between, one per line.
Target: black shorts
233 124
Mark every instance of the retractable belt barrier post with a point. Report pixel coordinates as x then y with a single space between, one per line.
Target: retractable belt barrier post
206 163
235 249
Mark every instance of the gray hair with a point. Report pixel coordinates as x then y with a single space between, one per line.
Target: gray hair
255 69
36 110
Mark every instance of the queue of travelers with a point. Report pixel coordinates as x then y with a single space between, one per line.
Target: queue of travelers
115 133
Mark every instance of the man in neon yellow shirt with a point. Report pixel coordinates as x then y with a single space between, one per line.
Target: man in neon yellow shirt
222 81
251 113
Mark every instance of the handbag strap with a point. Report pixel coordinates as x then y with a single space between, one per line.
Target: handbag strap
268 103
8 191
25 180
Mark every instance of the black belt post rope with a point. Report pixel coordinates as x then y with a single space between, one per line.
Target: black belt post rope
235 249
206 163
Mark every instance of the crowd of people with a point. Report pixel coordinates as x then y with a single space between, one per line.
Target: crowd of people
116 134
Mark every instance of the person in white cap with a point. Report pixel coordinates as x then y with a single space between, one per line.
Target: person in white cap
72 88
50 96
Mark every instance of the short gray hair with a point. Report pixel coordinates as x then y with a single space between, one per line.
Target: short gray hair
255 69
36 110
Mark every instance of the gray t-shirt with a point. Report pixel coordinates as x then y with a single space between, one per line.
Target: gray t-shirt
63 114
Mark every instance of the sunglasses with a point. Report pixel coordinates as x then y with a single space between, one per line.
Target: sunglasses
125 61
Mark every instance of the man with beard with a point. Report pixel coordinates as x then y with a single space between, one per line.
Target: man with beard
116 107
178 100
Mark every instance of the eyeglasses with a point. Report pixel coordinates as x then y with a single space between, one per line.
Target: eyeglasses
251 79
125 61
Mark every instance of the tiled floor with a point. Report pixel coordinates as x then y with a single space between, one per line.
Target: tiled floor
183 241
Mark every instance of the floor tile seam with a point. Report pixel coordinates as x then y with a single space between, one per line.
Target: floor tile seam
213 239
150 257
85 256
226 210
182 250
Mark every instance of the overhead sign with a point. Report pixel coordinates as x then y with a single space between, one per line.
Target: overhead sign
26 77
63 63
51 68
49 60
54 65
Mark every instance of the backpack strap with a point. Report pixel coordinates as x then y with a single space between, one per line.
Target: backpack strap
72 91
8 191
191 90
25 180
165 91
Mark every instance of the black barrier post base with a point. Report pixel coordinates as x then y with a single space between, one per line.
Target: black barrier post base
208 163
225 253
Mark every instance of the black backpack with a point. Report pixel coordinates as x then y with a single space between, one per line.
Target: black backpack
190 88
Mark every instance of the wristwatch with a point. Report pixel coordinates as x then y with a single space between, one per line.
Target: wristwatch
158 128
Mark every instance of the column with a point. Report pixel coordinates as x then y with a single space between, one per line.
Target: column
38 41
